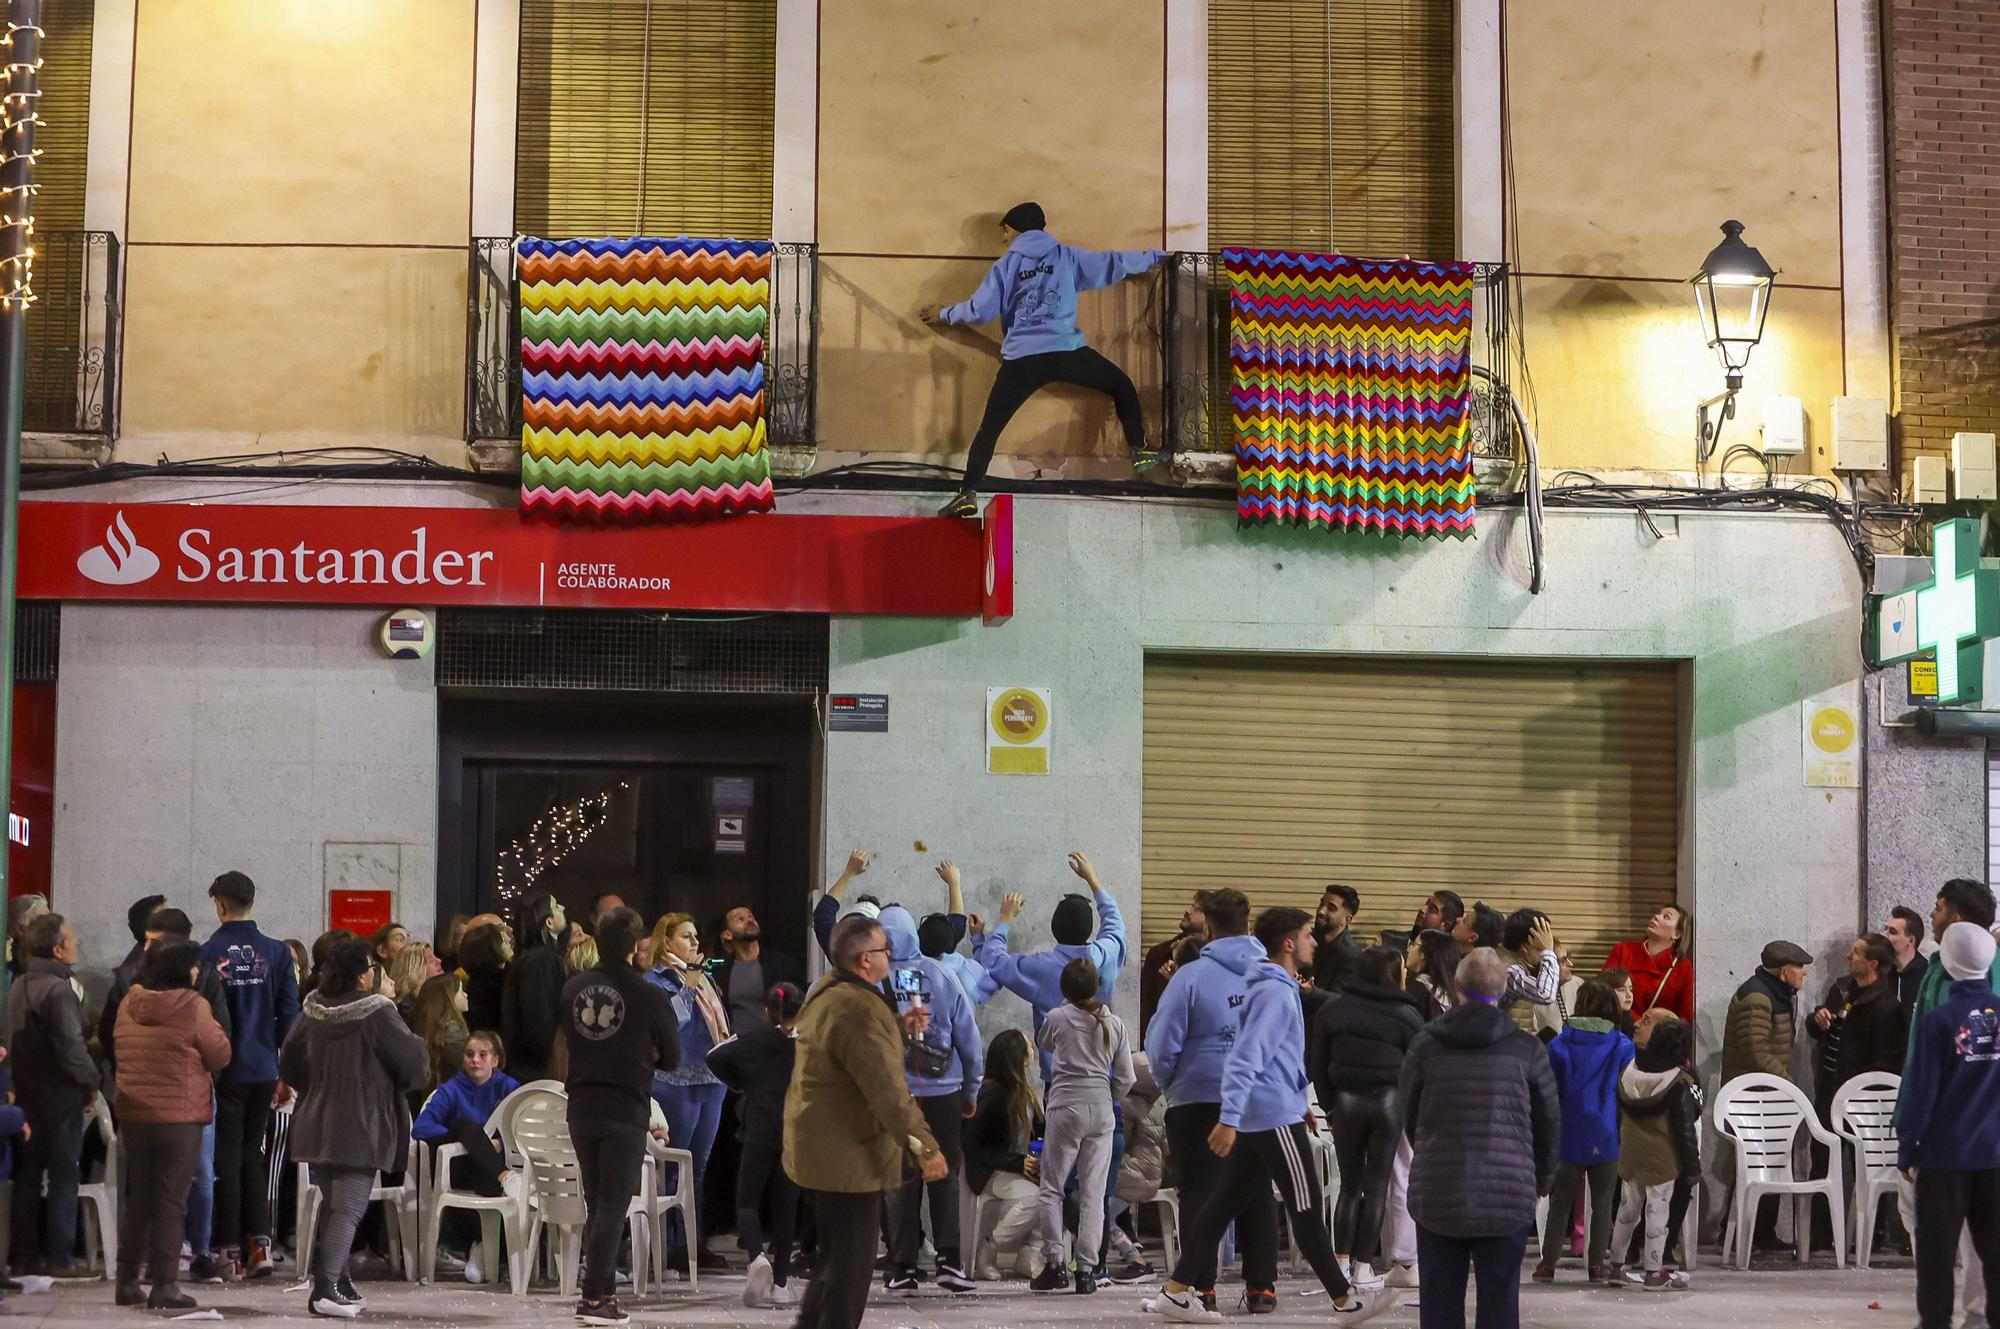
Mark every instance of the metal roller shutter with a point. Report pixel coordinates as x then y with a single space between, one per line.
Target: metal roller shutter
1513 782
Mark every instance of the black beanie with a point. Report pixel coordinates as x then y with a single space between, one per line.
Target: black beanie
1070 924
1025 217
936 936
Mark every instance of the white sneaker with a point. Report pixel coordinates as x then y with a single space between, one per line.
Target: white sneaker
475 1271
786 1296
1364 1276
757 1283
1401 1275
512 1185
1361 1306
988 1273
1183 1308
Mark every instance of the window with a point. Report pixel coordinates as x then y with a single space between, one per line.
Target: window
1331 125
645 117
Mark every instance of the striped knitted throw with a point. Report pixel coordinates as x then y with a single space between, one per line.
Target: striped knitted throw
642 369
1349 392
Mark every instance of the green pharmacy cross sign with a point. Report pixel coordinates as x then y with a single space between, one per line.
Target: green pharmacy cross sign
1953 615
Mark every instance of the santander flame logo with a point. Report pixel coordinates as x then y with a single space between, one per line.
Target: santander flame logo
121 560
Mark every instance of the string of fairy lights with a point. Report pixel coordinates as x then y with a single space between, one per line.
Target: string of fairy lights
560 831
19 115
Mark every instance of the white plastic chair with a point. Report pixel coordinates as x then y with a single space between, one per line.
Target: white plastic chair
680 1200
501 1217
1864 1111
1169 1201
98 1200
1762 1116
405 1203
541 1134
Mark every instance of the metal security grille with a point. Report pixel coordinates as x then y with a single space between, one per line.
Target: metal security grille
622 651
37 640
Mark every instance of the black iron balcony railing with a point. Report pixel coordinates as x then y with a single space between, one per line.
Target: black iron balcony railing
1196 348
73 332
493 344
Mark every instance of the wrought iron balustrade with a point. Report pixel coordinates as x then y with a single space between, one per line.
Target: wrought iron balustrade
1195 340
73 332
493 344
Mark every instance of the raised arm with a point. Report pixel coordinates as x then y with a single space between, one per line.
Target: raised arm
1107 949
1097 268
986 304
954 908
1001 965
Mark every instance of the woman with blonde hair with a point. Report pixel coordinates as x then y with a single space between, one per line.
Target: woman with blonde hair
690 1096
581 955
409 970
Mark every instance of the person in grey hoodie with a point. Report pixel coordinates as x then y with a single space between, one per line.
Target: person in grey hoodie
942 1066
1090 1062
1032 290
1261 1137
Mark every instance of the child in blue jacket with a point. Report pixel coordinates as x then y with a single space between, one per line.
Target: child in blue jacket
457 1113
1588 1056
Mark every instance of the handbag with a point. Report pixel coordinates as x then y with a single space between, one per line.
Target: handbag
925 1058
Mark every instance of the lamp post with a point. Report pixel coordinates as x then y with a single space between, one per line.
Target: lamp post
1732 289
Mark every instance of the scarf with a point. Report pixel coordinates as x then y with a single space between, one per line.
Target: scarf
705 998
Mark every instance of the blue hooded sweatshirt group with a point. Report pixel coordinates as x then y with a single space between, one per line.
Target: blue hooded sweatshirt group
1950 1100
1037 979
952 1025
1032 290
1588 1056
262 990
1196 1023
1264 1078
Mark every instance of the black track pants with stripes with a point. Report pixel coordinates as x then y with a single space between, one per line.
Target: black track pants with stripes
1282 1157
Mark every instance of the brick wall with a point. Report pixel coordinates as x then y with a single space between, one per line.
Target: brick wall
1944 217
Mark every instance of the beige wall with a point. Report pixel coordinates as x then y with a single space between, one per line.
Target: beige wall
300 187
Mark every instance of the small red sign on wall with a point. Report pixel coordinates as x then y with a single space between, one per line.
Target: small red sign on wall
360 912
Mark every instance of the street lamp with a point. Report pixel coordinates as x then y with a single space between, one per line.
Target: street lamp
1732 290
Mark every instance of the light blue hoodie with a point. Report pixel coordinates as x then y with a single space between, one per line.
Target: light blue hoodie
952 1026
1264 1078
1032 290
1037 978
978 984
1196 1022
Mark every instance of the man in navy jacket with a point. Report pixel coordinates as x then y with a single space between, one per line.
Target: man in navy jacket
263 996
1950 1124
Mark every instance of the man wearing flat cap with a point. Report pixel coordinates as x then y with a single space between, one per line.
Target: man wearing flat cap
1758 1033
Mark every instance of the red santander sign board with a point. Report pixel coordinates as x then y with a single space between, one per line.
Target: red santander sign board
256 554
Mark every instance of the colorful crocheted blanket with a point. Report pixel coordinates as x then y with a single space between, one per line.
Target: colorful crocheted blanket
642 370
1349 392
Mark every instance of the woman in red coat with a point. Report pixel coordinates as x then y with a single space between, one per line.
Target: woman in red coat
1662 964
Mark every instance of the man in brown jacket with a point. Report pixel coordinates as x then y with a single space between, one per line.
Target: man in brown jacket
850 1123
1757 1038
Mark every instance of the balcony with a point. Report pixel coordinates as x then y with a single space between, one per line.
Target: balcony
493 347
1196 348
73 331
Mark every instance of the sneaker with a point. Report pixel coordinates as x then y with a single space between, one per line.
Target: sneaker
258 1264
450 1262
324 1299
344 1285
1053 1278
513 1185
757 1283
1086 1283
1208 1301
1361 1306
710 1262
1364 1276
204 1269
1401 1275
1183 1308
952 1278
902 1282
1260 1300
964 503
1545 1272
1136 1272
1660 1280
72 1273
1632 1278
1678 1281
1145 457
987 1273
169 1297
604 1311
1612 1275
475 1268
786 1296
129 1293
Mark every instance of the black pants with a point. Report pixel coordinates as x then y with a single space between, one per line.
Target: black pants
242 1182
1495 1266
608 1155
159 1168
1947 1202
1021 379
45 1231
1199 1169
760 1172
479 1172
1364 1144
1602 1179
1261 1160
944 1115
838 1296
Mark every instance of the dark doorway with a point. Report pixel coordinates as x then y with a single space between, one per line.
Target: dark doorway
688 804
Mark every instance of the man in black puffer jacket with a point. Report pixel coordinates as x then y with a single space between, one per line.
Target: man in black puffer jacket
1479 1102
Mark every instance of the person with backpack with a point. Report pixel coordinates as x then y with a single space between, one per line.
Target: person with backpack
1587 1058
263 995
1659 1151
757 1066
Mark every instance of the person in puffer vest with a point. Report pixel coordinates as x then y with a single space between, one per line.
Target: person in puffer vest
1659 1151
1587 1057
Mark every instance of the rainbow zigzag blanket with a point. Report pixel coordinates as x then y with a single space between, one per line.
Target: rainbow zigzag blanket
642 370
1350 388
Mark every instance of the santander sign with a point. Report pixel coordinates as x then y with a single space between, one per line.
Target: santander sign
122 561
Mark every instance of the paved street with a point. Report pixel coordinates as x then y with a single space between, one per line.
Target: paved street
1821 1297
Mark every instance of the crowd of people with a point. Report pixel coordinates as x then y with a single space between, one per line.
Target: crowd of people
1272 1047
